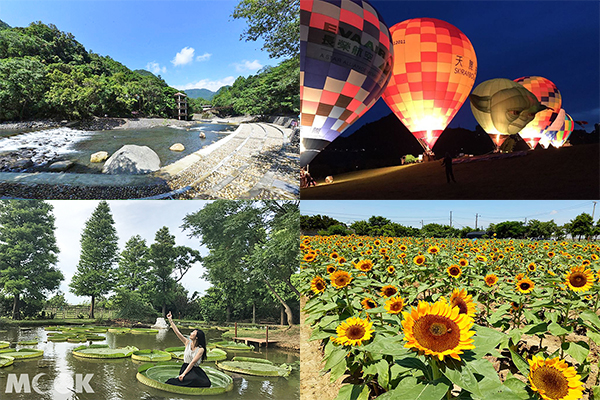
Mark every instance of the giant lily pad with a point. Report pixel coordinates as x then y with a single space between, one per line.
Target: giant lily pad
252 359
233 346
216 355
156 375
138 331
151 355
254 368
103 351
4 344
5 361
119 330
176 352
22 353
28 342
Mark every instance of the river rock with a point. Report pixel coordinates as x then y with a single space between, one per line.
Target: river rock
99 156
177 147
60 166
202 135
132 159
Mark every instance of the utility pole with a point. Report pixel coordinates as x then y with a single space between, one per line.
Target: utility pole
476 216
450 219
593 210
421 224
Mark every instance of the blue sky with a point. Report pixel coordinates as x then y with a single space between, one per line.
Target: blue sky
558 40
191 44
132 217
411 213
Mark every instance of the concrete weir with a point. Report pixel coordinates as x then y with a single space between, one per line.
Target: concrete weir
258 160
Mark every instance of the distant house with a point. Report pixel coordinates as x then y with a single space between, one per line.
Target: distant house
181 111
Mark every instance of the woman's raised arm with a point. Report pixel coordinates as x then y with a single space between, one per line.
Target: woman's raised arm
179 335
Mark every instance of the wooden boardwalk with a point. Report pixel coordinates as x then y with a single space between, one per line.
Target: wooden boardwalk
260 342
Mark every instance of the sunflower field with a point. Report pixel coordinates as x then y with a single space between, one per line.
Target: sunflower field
430 319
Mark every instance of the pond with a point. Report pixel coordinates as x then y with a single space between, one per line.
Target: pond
43 147
116 379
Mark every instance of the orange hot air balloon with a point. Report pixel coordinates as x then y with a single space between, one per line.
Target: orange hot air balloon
433 72
549 96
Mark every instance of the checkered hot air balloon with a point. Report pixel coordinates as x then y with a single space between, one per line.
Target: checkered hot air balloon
434 70
564 132
549 96
345 63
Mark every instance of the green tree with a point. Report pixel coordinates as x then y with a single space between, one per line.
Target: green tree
28 251
277 22
169 263
99 252
581 226
509 229
133 269
22 85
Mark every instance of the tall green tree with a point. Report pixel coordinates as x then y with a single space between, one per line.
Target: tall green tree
28 250
99 252
169 264
277 22
581 226
134 265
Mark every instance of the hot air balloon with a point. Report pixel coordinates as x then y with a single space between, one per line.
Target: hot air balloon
564 132
548 95
503 107
345 63
434 70
550 132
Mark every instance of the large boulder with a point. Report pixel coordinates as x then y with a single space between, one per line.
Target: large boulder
99 157
132 159
177 147
61 166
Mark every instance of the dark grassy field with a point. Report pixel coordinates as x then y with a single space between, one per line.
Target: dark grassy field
557 174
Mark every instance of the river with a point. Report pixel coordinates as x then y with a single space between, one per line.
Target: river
43 147
116 379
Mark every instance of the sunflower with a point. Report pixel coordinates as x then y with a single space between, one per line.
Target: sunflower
368 303
433 250
317 284
394 305
463 262
340 279
364 265
334 255
331 269
481 258
531 267
389 291
389 241
353 331
391 269
525 285
553 379
341 260
491 279
309 257
454 271
580 279
419 260
438 330
403 247
463 301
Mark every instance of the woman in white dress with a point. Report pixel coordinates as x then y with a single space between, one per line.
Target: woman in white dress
190 373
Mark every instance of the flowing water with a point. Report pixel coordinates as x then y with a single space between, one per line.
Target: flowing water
116 379
56 144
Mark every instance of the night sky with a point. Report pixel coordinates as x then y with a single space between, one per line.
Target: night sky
558 40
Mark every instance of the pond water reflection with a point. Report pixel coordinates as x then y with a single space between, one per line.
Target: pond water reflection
58 374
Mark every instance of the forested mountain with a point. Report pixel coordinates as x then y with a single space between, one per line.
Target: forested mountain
3 25
45 72
200 94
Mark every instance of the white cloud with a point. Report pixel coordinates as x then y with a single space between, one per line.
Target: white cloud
246 65
553 212
208 84
185 56
203 57
155 68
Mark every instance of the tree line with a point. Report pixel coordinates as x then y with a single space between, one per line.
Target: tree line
252 261
46 73
581 227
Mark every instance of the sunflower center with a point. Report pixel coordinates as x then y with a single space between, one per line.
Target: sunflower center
396 306
355 332
551 381
371 304
578 279
341 280
462 306
319 285
454 271
524 285
437 333
389 292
